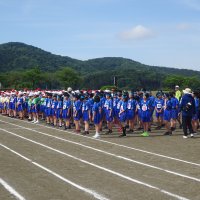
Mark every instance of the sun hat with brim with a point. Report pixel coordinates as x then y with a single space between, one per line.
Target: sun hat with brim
187 91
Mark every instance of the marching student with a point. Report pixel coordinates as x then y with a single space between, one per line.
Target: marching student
35 107
123 115
59 110
195 120
86 114
30 99
20 105
53 108
66 111
131 110
96 117
77 108
167 113
159 108
145 113
175 105
48 108
109 112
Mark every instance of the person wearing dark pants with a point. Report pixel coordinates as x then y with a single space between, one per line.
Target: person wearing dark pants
187 107
187 124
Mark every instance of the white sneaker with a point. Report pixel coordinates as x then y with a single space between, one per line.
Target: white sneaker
33 121
191 135
185 137
96 136
36 122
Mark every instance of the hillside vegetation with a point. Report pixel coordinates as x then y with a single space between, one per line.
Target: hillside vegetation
21 60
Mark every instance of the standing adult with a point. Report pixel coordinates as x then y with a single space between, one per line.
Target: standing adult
177 93
187 107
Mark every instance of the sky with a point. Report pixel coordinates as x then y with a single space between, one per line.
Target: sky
154 32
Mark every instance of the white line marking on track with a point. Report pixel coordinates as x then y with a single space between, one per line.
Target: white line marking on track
91 192
100 167
11 190
114 155
120 145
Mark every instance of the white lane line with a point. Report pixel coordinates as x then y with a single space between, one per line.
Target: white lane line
100 167
112 143
11 190
114 155
91 192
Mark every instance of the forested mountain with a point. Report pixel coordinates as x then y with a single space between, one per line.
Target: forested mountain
94 73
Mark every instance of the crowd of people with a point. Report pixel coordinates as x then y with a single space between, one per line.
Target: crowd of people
106 109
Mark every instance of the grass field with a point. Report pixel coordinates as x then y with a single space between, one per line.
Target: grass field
39 162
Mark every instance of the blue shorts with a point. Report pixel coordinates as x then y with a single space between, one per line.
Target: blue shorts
85 116
108 117
58 113
130 114
48 112
65 114
19 108
167 115
159 115
97 119
123 117
174 114
145 116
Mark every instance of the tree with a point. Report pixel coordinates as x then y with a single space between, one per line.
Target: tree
68 77
33 76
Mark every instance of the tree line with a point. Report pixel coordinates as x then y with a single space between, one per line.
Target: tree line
67 77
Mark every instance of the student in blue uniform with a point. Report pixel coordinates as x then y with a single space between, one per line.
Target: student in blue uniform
53 107
109 112
167 113
48 108
123 114
159 108
91 103
145 114
175 105
13 105
66 110
86 114
195 120
131 110
20 105
59 110
97 108
77 110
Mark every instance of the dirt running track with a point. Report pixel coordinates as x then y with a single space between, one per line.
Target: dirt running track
43 163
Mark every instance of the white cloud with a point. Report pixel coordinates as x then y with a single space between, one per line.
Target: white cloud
138 32
183 26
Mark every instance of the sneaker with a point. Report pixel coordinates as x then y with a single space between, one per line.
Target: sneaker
96 136
145 134
33 121
167 133
191 135
108 132
36 122
185 136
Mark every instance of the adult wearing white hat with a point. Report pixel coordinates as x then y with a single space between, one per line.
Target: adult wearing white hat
187 107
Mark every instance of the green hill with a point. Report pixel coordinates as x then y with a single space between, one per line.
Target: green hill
16 56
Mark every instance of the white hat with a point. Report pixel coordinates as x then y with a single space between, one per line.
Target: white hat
69 89
187 91
30 94
176 86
